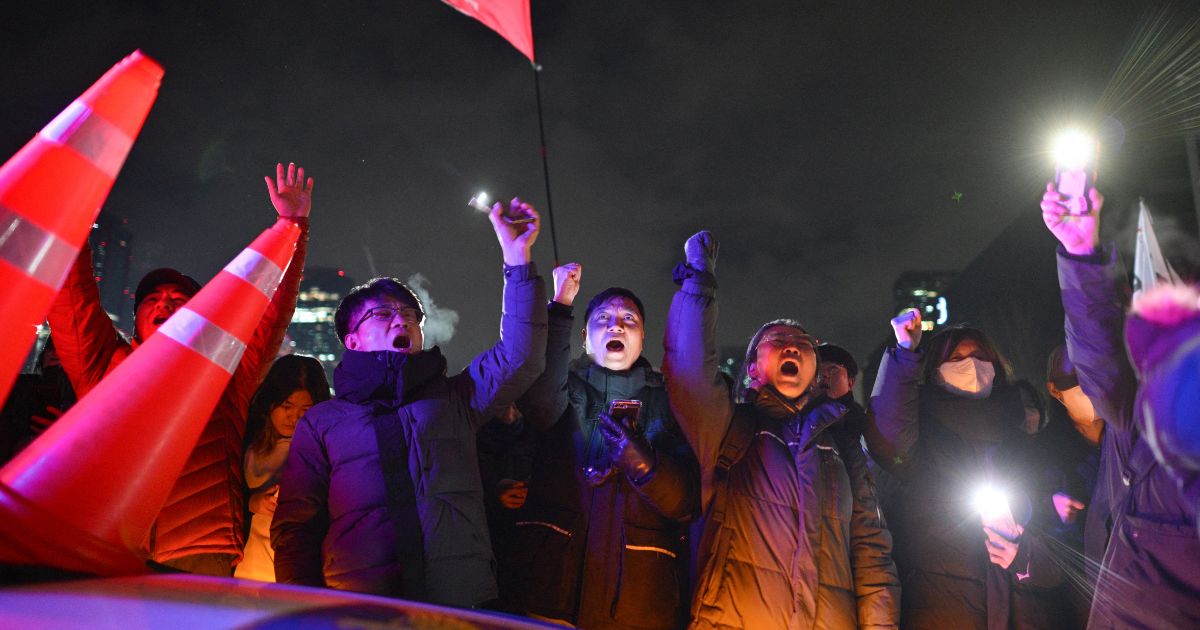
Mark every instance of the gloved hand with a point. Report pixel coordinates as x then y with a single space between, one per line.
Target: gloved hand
700 251
627 450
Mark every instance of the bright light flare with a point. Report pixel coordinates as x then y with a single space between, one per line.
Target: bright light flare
1073 150
990 501
480 202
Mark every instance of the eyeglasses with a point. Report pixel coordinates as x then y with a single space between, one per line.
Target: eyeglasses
783 340
385 314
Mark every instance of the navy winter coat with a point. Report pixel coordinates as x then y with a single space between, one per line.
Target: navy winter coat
1150 577
343 522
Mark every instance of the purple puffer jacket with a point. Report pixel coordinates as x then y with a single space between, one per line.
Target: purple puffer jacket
1150 577
340 522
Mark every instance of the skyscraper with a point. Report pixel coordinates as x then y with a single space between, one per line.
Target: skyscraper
312 331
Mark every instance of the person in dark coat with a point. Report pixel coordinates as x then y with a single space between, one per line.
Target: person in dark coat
602 541
381 491
35 402
506 447
837 371
1149 577
946 422
792 535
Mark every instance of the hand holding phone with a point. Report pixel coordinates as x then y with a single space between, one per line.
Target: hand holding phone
626 412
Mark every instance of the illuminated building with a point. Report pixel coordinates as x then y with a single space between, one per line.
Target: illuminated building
312 331
926 292
112 259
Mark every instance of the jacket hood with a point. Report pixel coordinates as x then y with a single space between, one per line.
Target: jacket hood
385 376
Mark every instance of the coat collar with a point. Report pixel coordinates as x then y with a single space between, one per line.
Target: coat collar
384 376
626 383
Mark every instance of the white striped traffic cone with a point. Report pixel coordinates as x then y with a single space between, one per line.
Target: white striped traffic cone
82 497
51 192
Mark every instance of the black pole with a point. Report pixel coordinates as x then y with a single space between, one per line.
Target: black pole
537 88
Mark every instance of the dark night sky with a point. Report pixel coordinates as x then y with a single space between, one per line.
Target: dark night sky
820 141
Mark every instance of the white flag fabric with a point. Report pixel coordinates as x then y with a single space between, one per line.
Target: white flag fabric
1149 266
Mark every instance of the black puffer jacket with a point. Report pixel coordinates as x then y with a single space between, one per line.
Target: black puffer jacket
350 518
936 449
612 556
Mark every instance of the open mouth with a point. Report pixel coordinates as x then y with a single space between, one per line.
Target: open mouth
401 342
158 321
789 368
614 346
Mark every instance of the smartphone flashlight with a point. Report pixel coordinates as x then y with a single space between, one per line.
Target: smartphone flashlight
480 202
1074 150
991 502
1075 171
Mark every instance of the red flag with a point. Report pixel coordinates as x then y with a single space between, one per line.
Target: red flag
509 18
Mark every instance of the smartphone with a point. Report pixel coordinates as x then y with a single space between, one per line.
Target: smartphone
1074 185
626 412
480 203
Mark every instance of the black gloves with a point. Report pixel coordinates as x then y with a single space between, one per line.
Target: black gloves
628 451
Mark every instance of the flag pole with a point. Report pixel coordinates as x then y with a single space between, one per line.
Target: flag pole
537 89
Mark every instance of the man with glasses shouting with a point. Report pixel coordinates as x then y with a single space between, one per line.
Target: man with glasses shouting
381 493
791 535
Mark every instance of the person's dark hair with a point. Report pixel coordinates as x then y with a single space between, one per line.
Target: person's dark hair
351 305
941 346
288 374
1060 370
743 381
828 352
610 293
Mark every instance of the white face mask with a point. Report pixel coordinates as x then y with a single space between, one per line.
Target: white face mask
970 377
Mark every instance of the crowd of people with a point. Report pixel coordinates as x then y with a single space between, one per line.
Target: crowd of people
598 492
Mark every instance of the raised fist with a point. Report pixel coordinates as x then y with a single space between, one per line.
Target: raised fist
566 282
907 326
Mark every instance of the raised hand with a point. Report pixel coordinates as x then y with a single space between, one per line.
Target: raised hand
290 194
701 250
907 326
1067 507
516 237
1078 233
566 283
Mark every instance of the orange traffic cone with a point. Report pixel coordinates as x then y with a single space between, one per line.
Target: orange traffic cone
52 190
82 497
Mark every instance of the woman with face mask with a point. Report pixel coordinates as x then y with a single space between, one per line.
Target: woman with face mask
946 426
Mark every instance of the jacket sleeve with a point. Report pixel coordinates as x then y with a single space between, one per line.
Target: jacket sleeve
87 342
700 398
268 336
673 489
302 516
503 372
1093 292
546 400
876 583
892 430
